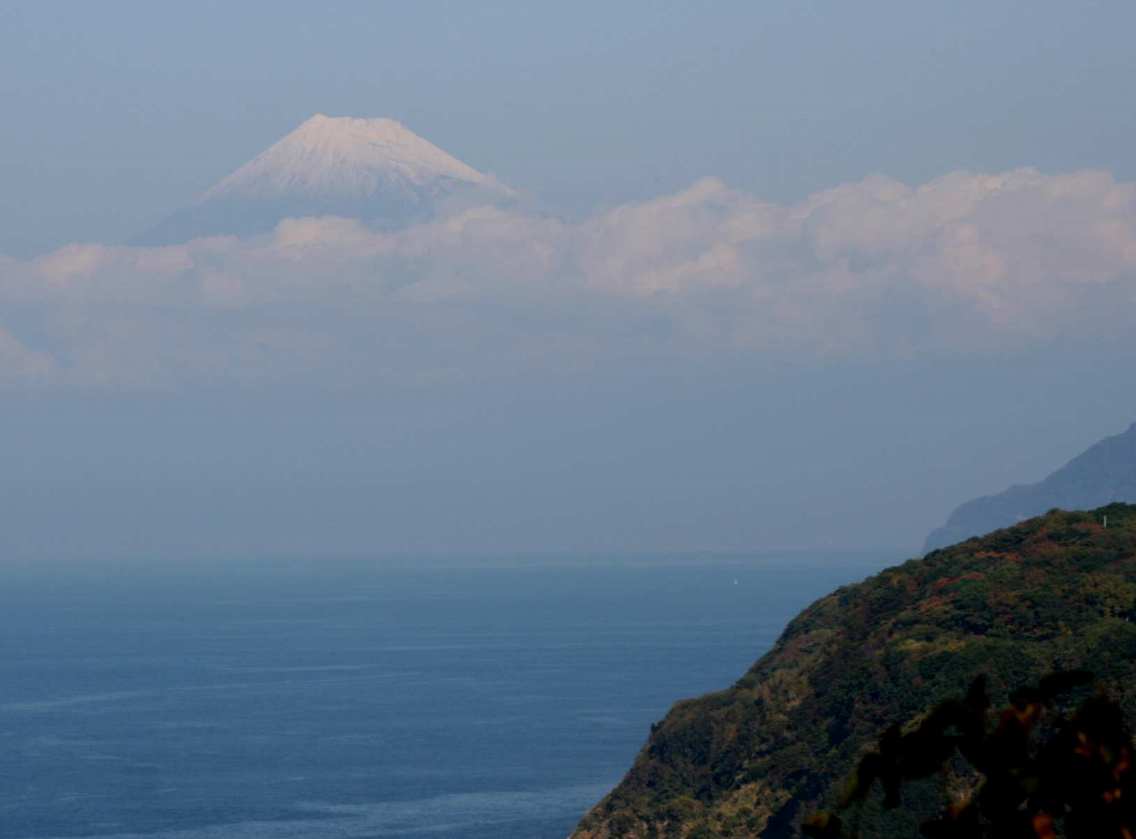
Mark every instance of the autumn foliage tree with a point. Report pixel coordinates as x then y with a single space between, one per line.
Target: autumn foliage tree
1040 768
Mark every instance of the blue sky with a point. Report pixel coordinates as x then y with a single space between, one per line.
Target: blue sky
799 274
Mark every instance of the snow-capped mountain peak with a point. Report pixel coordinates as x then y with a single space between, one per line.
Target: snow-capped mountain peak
330 156
373 169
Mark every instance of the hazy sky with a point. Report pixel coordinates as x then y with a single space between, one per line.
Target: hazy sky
803 274
116 113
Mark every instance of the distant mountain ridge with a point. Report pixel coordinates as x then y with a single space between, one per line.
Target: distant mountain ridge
377 170
1104 473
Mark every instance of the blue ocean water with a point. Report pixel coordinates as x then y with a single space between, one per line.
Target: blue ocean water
263 700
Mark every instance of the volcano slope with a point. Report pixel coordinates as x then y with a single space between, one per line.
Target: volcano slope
1052 593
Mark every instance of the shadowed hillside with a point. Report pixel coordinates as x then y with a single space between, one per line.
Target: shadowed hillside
1103 474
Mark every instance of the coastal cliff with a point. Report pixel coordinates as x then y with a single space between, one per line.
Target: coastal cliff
1055 592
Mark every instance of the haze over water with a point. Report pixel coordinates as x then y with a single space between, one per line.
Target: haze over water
482 699
442 279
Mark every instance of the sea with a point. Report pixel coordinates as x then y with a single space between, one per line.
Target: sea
254 699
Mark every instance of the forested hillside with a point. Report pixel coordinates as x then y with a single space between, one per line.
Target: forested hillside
1052 593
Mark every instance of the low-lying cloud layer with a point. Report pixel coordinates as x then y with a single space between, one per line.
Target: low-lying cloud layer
967 263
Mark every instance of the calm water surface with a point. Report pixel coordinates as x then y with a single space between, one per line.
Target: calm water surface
263 700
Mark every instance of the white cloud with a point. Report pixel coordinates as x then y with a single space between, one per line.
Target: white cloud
965 263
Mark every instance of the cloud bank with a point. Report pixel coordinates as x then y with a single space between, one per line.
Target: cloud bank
968 263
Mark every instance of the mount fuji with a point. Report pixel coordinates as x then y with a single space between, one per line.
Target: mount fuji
377 170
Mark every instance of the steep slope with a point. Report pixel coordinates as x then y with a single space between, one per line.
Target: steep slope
372 169
1055 592
1101 475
